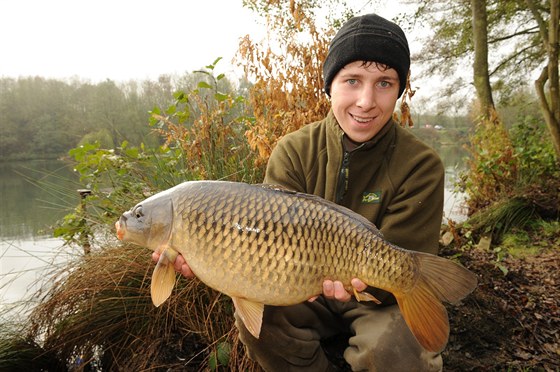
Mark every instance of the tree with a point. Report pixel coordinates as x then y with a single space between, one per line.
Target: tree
550 105
481 75
516 33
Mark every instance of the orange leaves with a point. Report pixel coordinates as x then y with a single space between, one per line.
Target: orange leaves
405 118
288 89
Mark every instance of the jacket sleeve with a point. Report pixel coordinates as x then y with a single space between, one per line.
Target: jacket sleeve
284 167
413 218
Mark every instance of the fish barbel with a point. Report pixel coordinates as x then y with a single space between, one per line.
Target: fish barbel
263 245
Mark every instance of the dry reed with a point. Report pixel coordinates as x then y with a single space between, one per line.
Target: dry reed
98 310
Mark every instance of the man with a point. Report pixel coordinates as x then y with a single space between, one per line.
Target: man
360 158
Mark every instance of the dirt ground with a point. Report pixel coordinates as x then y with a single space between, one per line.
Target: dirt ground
511 322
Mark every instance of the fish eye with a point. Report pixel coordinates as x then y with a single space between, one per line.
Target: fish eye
138 212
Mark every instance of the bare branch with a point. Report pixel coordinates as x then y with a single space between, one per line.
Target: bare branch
529 31
540 21
514 57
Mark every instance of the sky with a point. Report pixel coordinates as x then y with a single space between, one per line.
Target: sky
122 40
118 39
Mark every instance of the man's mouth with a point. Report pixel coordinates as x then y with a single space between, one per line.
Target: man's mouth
362 119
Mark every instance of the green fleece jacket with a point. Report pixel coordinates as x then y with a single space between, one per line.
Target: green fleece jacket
394 180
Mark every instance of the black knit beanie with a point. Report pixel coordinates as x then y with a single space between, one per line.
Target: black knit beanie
368 38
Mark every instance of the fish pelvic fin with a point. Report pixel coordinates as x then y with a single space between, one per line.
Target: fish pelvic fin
365 296
439 280
251 313
163 277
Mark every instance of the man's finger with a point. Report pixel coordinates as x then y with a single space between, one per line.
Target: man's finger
340 292
328 289
359 285
155 257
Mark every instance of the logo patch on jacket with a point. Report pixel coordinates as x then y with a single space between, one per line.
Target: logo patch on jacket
373 197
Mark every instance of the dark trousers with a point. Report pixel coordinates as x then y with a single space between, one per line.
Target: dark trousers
290 338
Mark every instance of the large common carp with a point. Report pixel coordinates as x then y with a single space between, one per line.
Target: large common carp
267 246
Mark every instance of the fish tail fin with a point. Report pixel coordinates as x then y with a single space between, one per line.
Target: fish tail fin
439 280
449 281
425 316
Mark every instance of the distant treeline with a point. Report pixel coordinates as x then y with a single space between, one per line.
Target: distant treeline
44 118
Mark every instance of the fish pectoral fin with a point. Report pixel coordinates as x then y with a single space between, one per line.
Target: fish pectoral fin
251 313
163 280
365 296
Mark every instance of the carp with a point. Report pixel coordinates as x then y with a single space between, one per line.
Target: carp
263 245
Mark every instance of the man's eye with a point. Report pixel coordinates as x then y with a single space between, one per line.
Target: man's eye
384 84
352 81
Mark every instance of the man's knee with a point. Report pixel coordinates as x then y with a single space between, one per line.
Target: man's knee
282 345
383 342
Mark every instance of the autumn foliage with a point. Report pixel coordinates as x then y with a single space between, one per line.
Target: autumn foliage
288 90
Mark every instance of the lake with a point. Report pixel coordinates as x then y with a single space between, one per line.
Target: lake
35 194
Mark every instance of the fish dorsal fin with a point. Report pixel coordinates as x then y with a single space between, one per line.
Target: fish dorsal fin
318 199
163 278
275 187
251 313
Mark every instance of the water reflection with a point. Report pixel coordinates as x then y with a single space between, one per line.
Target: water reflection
33 196
24 265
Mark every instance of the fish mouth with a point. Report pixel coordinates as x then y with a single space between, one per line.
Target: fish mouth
120 230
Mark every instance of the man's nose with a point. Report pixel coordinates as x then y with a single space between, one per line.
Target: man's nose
366 98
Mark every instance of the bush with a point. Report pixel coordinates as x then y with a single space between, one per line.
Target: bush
513 178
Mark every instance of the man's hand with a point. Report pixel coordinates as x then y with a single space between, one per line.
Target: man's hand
180 265
336 291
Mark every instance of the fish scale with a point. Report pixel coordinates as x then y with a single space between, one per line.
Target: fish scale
266 246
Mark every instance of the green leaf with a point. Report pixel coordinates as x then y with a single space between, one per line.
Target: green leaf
503 268
213 362
204 84
220 97
213 65
224 350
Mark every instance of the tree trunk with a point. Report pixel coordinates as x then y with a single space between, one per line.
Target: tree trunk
480 65
550 106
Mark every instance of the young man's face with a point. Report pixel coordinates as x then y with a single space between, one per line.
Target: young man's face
363 99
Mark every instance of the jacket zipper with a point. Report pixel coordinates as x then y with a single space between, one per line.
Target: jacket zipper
342 185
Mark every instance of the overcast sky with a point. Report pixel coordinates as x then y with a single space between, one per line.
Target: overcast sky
126 39
118 39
